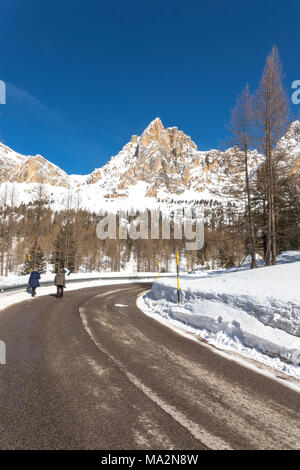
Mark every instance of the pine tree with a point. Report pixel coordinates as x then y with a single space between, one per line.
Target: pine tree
65 249
39 203
40 262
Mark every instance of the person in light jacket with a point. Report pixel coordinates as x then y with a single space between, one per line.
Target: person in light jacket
34 281
60 282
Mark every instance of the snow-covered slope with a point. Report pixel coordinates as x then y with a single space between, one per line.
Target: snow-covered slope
163 163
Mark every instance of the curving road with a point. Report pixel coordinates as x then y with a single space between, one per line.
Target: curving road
90 371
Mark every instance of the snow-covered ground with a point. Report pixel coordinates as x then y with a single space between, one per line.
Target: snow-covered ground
15 280
255 313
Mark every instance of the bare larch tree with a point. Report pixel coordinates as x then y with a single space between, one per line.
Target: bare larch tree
240 126
271 116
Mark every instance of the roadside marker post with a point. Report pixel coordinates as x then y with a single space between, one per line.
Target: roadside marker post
158 268
177 262
29 259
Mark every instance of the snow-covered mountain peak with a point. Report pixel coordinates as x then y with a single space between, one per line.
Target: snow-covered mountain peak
155 124
162 162
289 145
295 127
293 133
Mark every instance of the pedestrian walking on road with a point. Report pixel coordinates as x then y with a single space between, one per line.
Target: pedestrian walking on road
34 281
60 282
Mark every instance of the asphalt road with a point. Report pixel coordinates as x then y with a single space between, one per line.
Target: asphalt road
90 371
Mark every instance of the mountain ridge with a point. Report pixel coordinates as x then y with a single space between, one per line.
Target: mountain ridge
161 163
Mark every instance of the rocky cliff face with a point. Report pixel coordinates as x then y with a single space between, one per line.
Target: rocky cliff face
9 162
18 168
169 162
39 170
160 158
163 162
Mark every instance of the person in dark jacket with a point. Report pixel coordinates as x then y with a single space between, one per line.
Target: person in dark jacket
34 281
60 282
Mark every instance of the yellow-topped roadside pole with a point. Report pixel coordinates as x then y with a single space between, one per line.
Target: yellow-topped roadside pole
29 259
177 262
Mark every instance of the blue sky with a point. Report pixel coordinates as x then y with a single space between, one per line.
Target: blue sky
83 76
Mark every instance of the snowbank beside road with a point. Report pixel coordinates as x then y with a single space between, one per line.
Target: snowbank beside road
253 312
271 294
